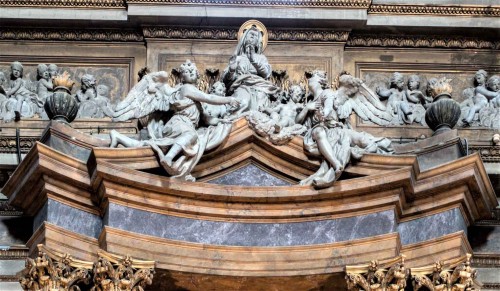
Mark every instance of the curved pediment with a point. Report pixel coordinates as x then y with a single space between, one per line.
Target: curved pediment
243 146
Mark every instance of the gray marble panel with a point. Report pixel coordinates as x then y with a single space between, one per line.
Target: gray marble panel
250 175
485 239
10 286
15 230
249 234
70 218
11 267
431 227
40 217
488 275
70 149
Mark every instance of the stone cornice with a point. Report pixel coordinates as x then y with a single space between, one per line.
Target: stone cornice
189 33
252 3
486 260
159 32
489 154
65 3
231 34
434 10
14 253
419 41
108 35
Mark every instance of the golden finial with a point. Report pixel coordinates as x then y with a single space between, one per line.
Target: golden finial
63 80
441 86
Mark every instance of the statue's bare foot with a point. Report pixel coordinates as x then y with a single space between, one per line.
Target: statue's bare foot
114 139
337 174
465 122
277 128
167 161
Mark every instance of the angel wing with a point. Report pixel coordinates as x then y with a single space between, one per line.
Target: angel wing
366 105
151 94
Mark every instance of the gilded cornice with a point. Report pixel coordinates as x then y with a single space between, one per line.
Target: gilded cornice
231 34
65 3
252 3
420 41
108 35
434 10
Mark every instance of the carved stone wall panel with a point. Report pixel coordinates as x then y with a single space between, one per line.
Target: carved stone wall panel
294 57
375 65
115 76
116 64
461 77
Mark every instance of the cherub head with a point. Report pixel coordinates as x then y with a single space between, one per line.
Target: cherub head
42 72
53 70
88 81
189 72
349 84
16 70
102 90
397 81
218 88
296 93
430 83
317 76
413 82
480 77
494 83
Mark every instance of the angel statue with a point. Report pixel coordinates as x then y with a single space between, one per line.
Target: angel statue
180 134
246 76
329 135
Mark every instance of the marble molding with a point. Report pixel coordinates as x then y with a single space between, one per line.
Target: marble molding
250 234
68 217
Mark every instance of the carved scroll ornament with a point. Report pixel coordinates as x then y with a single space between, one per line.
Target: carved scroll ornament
454 275
378 276
53 271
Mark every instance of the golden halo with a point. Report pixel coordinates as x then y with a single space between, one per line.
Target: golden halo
259 26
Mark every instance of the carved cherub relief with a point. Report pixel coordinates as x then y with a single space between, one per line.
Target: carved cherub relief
277 122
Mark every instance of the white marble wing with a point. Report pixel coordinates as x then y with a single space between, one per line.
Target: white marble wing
366 105
148 96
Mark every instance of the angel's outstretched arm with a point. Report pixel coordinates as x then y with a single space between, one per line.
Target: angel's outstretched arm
193 93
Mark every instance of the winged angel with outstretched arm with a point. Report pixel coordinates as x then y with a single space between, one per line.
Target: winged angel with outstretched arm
329 135
180 134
